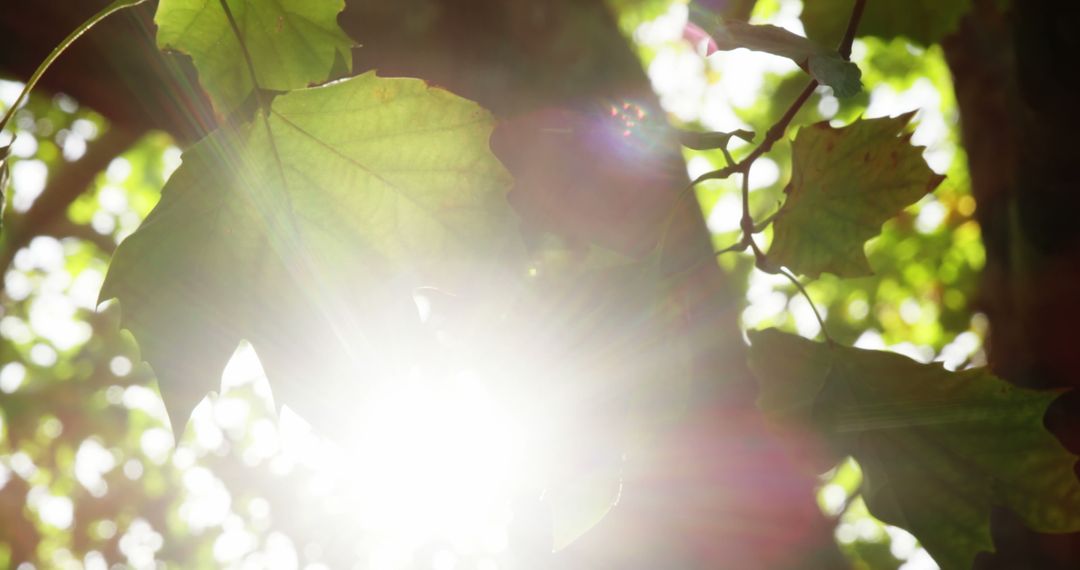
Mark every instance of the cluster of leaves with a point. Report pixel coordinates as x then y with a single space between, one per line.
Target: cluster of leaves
817 230
308 221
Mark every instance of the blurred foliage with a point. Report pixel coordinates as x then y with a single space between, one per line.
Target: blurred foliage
87 468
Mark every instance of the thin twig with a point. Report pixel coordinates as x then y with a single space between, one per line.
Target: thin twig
772 136
61 48
813 307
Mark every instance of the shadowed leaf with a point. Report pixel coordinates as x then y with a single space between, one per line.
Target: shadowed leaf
939 449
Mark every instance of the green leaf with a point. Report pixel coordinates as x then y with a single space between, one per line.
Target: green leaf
938 448
712 140
822 63
845 184
305 234
292 43
921 21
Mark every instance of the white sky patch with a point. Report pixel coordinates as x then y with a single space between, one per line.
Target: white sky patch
156 443
92 461
931 130
28 180
208 502
931 215
85 288
113 199
806 324
920 560
55 511
678 77
9 91
12 376
145 399
170 161
667 27
902 544
959 350
870 340
25 145
120 365
764 302
52 316
118 170
242 369
764 173
47 253
140 544
726 213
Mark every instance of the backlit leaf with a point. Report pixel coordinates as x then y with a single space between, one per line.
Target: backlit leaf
845 184
305 233
822 63
939 449
292 43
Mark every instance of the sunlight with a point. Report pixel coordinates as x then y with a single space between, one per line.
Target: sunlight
430 463
436 462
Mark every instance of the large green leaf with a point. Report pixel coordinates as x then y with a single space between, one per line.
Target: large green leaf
938 448
845 184
921 21
292 43
305 233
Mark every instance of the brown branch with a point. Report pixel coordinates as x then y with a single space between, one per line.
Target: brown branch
772 136
66 183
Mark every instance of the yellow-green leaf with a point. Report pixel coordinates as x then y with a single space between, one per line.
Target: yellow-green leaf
845 183
939 449
305 233
292 43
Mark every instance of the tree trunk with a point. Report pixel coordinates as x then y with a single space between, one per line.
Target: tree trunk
1017 94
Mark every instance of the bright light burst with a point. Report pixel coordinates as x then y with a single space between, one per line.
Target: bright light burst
436 462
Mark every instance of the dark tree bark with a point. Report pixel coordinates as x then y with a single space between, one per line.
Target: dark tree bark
717 490
1017 94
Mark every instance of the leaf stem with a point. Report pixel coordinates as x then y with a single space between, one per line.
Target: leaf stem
248 61
116 6
791 277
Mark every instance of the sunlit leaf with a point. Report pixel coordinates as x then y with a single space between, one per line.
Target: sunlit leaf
292 43
921 21
939 449
822 63
845 183
305 233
